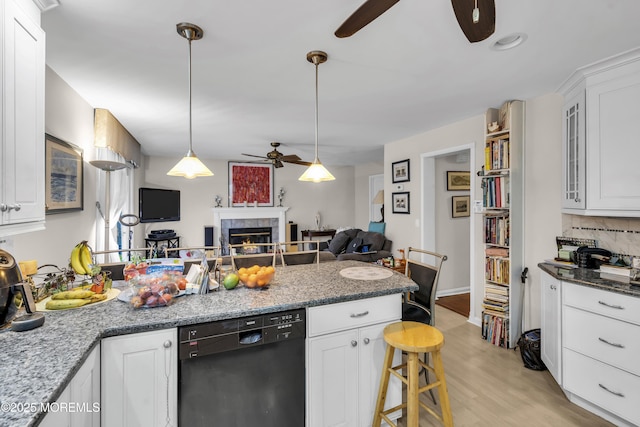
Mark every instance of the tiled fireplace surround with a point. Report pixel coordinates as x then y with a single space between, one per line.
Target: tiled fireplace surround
226 218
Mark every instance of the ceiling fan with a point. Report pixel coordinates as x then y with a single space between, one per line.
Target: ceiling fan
477 18
276 158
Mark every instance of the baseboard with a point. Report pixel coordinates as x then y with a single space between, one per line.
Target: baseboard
454 291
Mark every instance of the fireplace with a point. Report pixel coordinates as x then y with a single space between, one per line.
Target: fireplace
227 218
248 236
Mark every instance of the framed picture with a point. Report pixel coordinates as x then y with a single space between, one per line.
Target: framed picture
250 184
400 171
458 181
400 202
460 206
64 176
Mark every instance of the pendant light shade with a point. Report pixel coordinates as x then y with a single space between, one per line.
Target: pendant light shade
190 166
316 171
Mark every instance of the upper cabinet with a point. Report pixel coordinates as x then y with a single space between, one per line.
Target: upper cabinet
22 66
601 128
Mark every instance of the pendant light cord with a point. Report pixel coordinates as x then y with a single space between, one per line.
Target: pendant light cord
190 36
316 158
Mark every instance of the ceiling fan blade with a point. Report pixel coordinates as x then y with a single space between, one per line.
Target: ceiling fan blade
290 157
252 155
365 14
486 24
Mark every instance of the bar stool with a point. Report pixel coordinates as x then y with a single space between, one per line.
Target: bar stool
413 338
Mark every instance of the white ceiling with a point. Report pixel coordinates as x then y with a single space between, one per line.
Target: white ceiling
409 71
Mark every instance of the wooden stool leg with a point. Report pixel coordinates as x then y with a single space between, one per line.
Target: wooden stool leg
413 377
384 383
442 390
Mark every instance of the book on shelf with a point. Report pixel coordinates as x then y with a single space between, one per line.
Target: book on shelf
497 252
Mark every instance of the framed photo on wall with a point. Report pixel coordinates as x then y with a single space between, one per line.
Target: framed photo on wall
460 206
458 181
400 171
250 184
64 176
400 202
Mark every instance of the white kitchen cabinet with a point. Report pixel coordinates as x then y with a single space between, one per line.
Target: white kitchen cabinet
81 397
22 201
550 325
600 131
345 351
140 379
600 341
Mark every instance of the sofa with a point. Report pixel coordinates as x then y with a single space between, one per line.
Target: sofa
359 245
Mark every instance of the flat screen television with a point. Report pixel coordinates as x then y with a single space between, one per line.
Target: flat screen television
158 205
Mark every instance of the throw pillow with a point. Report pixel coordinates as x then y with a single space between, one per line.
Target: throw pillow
339 243
374 240
354 246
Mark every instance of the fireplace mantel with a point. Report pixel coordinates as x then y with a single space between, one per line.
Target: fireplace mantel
278 213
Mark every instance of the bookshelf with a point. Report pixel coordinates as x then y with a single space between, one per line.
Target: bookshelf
502 180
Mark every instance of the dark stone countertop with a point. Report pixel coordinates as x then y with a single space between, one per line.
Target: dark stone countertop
36 365
593 278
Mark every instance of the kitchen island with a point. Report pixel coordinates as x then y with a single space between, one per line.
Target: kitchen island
37 365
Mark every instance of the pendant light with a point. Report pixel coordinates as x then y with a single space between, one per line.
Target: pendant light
316 172
190 166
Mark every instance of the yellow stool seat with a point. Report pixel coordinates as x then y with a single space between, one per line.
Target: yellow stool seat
413 338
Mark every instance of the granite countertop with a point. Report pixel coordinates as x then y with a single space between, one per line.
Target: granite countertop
36 365
593 278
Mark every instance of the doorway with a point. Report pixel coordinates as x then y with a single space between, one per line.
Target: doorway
441 231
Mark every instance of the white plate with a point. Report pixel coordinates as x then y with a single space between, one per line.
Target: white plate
125 295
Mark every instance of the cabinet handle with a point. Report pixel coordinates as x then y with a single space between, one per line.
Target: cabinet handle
366 340
617 307
611 343
354 343
615 393
356 315
4 207
167 344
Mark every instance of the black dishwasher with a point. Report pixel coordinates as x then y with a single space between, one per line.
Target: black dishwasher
243 372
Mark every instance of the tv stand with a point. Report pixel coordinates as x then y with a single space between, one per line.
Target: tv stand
158 248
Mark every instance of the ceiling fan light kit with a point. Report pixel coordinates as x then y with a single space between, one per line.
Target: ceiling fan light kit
190 166
316 171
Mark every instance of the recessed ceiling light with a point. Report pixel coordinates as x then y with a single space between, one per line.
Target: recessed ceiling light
510 41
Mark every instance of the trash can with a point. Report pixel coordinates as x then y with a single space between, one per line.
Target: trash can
529 345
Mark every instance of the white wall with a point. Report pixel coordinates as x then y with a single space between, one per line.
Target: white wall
362 207
335 200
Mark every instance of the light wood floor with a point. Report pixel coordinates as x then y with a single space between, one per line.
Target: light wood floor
489 386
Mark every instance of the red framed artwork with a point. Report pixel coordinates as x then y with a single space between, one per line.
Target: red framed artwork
250 184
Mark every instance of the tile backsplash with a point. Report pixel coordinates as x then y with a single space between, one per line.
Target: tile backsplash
619 235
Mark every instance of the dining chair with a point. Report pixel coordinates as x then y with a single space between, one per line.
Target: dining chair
306 252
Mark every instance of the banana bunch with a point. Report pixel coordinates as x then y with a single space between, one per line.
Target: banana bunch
73 299
81 258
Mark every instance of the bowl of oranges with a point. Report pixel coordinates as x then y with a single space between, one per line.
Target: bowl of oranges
256 276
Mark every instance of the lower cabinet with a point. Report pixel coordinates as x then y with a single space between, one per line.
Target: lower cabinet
551 325
345 352
140 379
83 392
600 341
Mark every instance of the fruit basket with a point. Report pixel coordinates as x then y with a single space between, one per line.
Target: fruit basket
256 277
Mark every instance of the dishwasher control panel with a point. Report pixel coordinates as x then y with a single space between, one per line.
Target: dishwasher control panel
227 335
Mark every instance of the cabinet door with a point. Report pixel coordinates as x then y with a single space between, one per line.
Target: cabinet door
370 358
139 381
332 380
573 152
613 109
550 325
84 393
23 118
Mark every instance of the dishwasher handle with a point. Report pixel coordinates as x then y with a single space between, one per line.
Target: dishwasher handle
250 337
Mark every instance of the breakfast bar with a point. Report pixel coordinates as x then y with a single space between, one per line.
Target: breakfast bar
36 366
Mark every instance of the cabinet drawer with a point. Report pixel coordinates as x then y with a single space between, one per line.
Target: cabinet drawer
610 341
612 304
352 314
612 389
